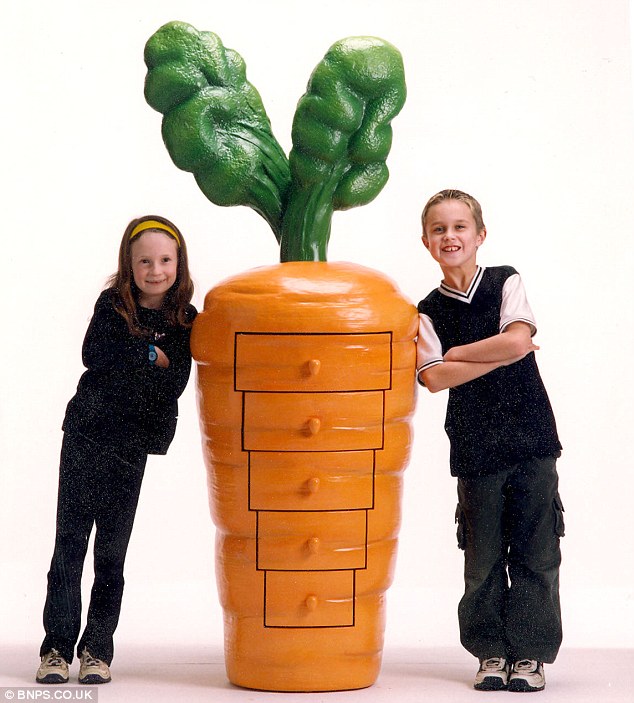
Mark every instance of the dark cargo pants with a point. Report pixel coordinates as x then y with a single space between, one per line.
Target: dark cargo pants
509 525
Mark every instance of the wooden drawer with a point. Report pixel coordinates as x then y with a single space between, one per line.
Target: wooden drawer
307 541
309 599
313 422
312 362
311 480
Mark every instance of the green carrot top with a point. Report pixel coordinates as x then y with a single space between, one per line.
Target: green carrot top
216 127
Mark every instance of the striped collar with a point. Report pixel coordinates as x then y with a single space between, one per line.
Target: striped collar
471 290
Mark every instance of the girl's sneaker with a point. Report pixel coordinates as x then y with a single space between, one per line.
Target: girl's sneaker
527 675
493 674
92 670
53 668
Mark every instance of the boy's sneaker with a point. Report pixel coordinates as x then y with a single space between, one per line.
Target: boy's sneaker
492 675
53 668
92 670
527 675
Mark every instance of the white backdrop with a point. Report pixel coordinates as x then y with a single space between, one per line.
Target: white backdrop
526 105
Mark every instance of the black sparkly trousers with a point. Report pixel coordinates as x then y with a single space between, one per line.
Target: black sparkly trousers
98 486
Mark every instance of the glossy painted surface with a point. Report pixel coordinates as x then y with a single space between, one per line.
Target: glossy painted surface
215 126
306 386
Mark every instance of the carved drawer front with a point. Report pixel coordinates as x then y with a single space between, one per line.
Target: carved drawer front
309 599
313 362
311 480
298 541
313 421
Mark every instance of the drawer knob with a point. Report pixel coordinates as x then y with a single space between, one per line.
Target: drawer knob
311 603
312 545
313 484
314 425
314 365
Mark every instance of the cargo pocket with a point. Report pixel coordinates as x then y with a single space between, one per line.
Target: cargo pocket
461 535
558 506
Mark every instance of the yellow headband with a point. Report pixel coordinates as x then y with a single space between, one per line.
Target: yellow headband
154 224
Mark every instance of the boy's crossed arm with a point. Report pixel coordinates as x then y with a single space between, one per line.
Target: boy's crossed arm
470 361
513 344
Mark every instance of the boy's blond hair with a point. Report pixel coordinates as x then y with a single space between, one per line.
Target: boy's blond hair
451 194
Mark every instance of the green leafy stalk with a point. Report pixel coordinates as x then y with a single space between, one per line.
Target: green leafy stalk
214 123
215 126
341 139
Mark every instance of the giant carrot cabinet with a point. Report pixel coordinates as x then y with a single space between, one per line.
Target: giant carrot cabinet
305 392
305 368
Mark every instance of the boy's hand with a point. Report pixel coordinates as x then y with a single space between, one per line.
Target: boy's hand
523 342
453 354
161 358
505 348
529 348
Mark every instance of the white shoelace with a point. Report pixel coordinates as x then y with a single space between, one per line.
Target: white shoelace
54 659
91 661
526 665
493 664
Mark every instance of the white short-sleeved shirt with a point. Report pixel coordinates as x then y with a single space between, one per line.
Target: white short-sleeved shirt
514 308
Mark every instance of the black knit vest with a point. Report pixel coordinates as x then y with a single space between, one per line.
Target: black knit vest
504 416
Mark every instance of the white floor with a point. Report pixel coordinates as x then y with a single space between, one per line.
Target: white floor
422 660
195 674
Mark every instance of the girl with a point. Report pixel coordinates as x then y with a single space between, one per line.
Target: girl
137 356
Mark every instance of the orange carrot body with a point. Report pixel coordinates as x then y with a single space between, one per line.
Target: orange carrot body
306 390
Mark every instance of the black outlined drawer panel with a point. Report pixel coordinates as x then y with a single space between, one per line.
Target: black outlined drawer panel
311 480
304 541
313 362
313 421
309 599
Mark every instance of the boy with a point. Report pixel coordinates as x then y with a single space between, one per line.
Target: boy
475 338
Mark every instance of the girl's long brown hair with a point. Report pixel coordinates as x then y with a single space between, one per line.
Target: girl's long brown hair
122 283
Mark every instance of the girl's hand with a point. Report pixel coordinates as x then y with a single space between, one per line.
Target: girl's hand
161 358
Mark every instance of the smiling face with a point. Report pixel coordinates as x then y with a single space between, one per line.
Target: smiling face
452 238
154 257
